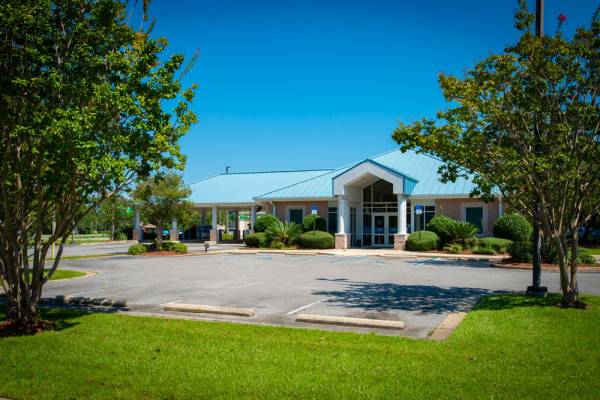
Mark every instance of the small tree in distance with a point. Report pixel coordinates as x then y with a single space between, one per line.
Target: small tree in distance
162 198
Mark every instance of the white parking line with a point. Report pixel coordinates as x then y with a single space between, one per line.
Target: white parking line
303 307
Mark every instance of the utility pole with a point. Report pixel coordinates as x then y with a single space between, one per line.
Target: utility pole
536 289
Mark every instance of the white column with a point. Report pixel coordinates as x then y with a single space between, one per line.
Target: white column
252 217
342 211
174 223
402 214
274 211
137 230
500 207
214 218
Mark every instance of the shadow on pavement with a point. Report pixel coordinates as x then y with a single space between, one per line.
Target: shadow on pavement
391 296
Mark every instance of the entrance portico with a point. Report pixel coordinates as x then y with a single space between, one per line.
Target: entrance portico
378 195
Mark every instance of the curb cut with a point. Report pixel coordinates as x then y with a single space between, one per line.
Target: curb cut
346 321
197 308
447 326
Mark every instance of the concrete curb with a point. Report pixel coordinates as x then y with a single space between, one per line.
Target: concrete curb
345 321
447 326
197 308
548 269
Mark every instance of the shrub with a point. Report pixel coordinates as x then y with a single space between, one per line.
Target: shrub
227 236
317 240
137 249
442 226
263 222
259 239
513 227
284 232
276 244
179 248
521 251
319 223
584 256
497 244
422 241
454 248
483 250
120 236
461 231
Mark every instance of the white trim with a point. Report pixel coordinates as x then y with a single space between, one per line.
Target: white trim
295 198
463 213
366 168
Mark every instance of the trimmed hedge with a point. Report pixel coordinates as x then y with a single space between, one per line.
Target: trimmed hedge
521 251
227 236
496 244
584 256
259 239
483 250
317 240
319 222
513 227
137 249
120 236
263 222
176 247
422 241
442 226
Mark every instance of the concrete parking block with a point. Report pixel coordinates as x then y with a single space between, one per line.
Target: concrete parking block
197 308
346 321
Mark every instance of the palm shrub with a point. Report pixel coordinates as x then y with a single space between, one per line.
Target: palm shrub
314 222
442 226
461 231
259 239
513 227
284 232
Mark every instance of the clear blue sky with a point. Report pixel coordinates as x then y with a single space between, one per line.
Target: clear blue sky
318 84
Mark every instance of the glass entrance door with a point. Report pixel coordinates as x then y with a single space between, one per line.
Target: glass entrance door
379 229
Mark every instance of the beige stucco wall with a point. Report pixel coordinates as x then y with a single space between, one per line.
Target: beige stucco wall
454 208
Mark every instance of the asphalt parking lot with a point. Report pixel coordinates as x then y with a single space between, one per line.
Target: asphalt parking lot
420 292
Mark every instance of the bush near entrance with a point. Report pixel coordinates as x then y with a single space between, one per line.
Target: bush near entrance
513 227
227 236
497 244
422 241
259 239
521 251
316 240
442 226
263 222
314 222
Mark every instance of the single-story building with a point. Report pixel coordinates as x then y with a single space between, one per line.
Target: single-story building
376 202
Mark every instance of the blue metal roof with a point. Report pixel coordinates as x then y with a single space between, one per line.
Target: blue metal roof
243 187
420 172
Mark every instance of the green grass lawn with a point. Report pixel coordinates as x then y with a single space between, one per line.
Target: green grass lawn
508 347
594 250
65 274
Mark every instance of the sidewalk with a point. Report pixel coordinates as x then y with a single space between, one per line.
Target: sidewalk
366 252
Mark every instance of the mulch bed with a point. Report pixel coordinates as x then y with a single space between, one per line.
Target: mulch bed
161 253
9 328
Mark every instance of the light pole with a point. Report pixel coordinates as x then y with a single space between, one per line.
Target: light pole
536 288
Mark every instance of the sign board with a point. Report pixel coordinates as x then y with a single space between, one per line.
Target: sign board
313 209
418 209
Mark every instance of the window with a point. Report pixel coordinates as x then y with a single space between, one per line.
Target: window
296 215
422 220
332 220
408 217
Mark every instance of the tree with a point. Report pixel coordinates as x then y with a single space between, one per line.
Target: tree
89 104
115 213
525 122
162 198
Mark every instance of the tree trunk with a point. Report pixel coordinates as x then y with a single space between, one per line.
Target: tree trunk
568 271
158 236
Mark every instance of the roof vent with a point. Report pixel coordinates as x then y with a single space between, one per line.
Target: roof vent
227 169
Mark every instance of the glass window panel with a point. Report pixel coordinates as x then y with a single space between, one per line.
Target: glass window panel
367 194
379 224
367 240
367 223
332 219
393 224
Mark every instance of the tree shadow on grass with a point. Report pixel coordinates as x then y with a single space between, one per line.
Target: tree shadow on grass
390 296
514 300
